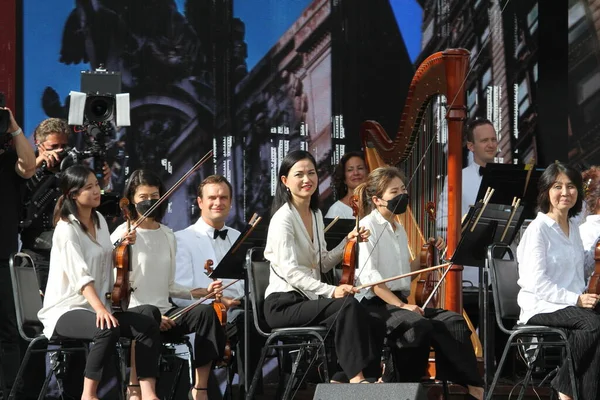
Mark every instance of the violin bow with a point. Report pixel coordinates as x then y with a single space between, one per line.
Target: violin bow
175 186
437 285
332 223
393 278
201 300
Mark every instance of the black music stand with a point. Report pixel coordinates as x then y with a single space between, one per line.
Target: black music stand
233 266
509 180
479 231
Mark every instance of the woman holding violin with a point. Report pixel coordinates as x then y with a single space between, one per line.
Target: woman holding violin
297 252
553 270
80 274
411 330
153 279
349 173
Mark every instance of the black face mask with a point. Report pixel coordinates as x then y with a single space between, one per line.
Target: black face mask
143 206
398 204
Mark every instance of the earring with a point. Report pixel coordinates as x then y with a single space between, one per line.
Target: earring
288 190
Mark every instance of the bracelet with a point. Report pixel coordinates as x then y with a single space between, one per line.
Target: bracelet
16 133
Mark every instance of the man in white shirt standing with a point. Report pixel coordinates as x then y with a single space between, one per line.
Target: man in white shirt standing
482 142
210 239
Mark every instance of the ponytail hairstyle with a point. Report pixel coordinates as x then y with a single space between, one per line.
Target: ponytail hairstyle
72 180
144 177
377 181
282 196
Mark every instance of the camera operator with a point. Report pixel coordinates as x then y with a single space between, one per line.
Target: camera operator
17 162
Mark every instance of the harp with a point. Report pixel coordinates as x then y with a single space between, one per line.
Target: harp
428 148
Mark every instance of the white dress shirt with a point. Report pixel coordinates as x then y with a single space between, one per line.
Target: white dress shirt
76 259
295 257
553 267
152 273
340 209
590 232
471 180
383 256
195 245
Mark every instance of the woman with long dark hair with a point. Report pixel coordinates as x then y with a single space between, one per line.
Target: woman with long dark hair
80 275
349 173
297 251
153 273
553 271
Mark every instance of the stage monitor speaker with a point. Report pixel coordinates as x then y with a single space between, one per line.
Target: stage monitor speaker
362 391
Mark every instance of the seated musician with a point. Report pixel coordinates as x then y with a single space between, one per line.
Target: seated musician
297 251
349 173
80 274
411 330
210 238
590 229
553 270
153 278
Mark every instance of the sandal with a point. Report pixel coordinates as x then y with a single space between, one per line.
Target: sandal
190 396
134 390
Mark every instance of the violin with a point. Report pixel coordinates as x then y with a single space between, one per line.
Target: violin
121 291
350 258
221 311
594 283
426 281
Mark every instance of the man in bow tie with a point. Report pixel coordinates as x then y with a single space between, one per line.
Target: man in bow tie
208 238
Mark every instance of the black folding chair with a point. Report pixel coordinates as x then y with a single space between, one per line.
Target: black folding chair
28 301
503 270
300 339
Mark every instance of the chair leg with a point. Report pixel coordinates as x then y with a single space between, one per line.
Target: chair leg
509 343
44 389
19 378
325 361
292 380
258 372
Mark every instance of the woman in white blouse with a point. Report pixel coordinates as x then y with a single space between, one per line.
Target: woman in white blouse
80 275
590 229
297 251
553 270
153 279
411 330
349 173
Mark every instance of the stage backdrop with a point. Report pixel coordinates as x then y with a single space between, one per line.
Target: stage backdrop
255 79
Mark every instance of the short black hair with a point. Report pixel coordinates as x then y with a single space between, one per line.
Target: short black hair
472 125
144 177
548 179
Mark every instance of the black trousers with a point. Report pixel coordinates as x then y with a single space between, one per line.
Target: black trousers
81 324
358 337
209 343
583 329
411 335
10 340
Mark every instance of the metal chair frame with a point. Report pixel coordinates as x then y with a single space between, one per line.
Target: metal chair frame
300 339
503 278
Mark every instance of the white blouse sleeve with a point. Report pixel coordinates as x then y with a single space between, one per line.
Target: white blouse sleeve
368 258
329 258
284 259
72 260
532 270
175 289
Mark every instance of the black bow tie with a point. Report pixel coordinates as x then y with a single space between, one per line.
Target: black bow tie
481 171
222 234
